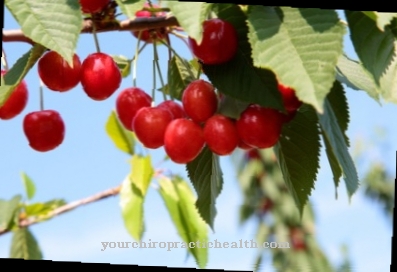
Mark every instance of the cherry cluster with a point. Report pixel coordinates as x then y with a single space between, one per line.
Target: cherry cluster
185 129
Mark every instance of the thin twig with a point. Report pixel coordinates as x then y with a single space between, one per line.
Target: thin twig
68 207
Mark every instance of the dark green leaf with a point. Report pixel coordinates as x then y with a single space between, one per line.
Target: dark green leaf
238 78
206 176
24 245
305 41
298 152
55 24
179 199
382 18
377 52
8 210
332 130
17 72
120 136
180 74
232 107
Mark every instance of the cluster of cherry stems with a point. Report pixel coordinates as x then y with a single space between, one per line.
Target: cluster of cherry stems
184 129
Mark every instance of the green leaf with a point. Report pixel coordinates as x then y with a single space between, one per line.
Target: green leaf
306 41
18 71
124 65
334 164
353 74
179 200
334 134
121 137
232 107
130 7
205 174
132 194
376 50
142 172
190 16
298 152
42 210
55 24
8 210
180 74
238 78
29 186
382 18
24 245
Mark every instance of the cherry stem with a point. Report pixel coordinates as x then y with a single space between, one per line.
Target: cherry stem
154 79
156 58
137 51
41 95
95 37
4 59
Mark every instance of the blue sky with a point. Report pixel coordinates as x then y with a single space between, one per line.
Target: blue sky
87 162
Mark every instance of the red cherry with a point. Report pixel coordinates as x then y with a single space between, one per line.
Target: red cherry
243 145
56 73
297 237
259 127
175 108
146 35
100 76
290 100
149 125
199 100
219 43
220 134
93 6
45 130
16 102
183 140
289 116
253 154
128 102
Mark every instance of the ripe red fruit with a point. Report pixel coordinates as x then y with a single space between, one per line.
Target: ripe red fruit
149 125
220 134
290 100
297 237
259 127
199 100
16 102
56 73
45 130
243 145
146 35
183 140
175 108
93 6
219 43
100 76
128 102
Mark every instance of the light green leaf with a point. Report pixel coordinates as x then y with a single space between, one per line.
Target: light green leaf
306 41
42 210
130 7
298 153
377 51
8 210
205 174
132 195
29 186
238 78
124 65
55 24
142 172
24 245
382 18
180 74
335 136
121 137
18 71
179 200
353 74
190 16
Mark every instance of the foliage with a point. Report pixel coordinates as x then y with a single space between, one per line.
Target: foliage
302 48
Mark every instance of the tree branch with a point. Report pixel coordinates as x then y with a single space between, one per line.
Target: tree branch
16 35
67 207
